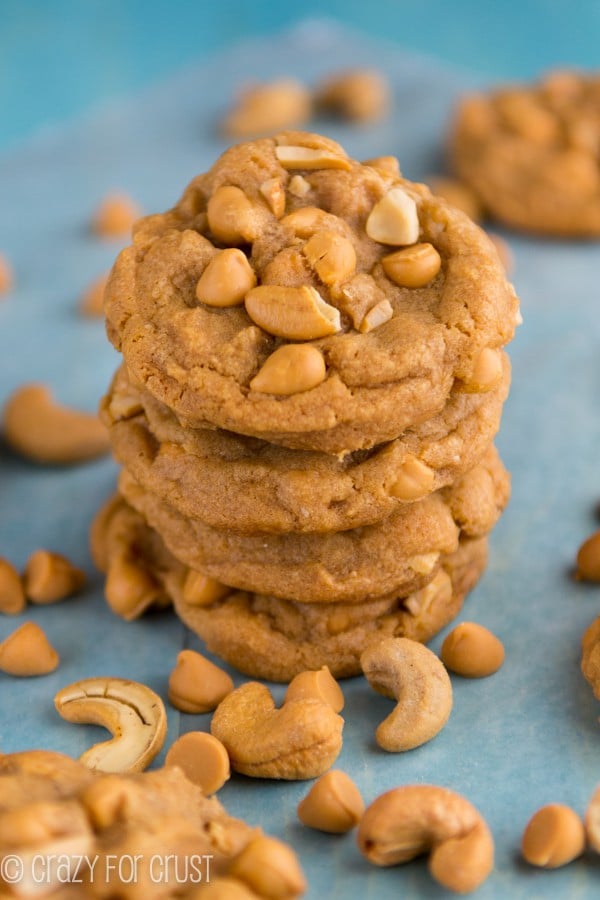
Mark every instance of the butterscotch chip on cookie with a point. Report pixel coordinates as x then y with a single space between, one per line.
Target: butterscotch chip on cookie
50 804
315 228
243 483
531 153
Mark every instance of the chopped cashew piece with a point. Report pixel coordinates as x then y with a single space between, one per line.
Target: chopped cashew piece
295 313
41 430
414 819
414 676
394 219
27 652
131 711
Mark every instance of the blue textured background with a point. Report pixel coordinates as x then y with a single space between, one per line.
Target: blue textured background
525 737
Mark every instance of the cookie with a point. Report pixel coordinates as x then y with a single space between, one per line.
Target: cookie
400 553
288 246
232 481
531 153
267 637
57 808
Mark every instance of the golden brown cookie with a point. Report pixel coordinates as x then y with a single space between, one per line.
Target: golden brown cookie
531 153
52 807
242 483
271 638
400 553
239 270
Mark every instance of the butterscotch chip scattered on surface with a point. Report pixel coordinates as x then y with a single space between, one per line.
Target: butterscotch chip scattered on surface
12 596
553 837
6 275
473 651
592 821
92 299
196 685
333 804
27 652
203 759
588 558
50 577
115 216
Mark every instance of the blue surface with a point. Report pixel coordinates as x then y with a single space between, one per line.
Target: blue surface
516 741
59 57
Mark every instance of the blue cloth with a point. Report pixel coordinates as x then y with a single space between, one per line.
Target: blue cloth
514 742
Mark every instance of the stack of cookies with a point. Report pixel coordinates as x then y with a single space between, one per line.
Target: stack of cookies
313 377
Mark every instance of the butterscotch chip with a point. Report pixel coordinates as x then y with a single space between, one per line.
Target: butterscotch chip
384 376
200 590
414 481
115 216
320 684
291 369
92 300
27 652
333 804
588 558
553 837
472 651
196 685
12 596
202 758
486 371
6 275
270 868
414 266
226 280
592 821
530 153
50 577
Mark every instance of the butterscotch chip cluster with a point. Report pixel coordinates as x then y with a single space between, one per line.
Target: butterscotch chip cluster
313 375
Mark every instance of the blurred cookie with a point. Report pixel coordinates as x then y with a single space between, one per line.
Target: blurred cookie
531 153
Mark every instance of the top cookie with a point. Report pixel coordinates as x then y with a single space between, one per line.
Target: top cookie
298 296
531 153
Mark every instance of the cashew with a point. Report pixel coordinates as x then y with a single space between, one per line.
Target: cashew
292 157
295 313
394 219
41 430
132 712
331 256
300 740
378 315
414 819
410 673
590 656
226 280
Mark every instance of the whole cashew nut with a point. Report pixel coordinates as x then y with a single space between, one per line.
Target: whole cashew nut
41 430
414 676
414 819
132 712
300 740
